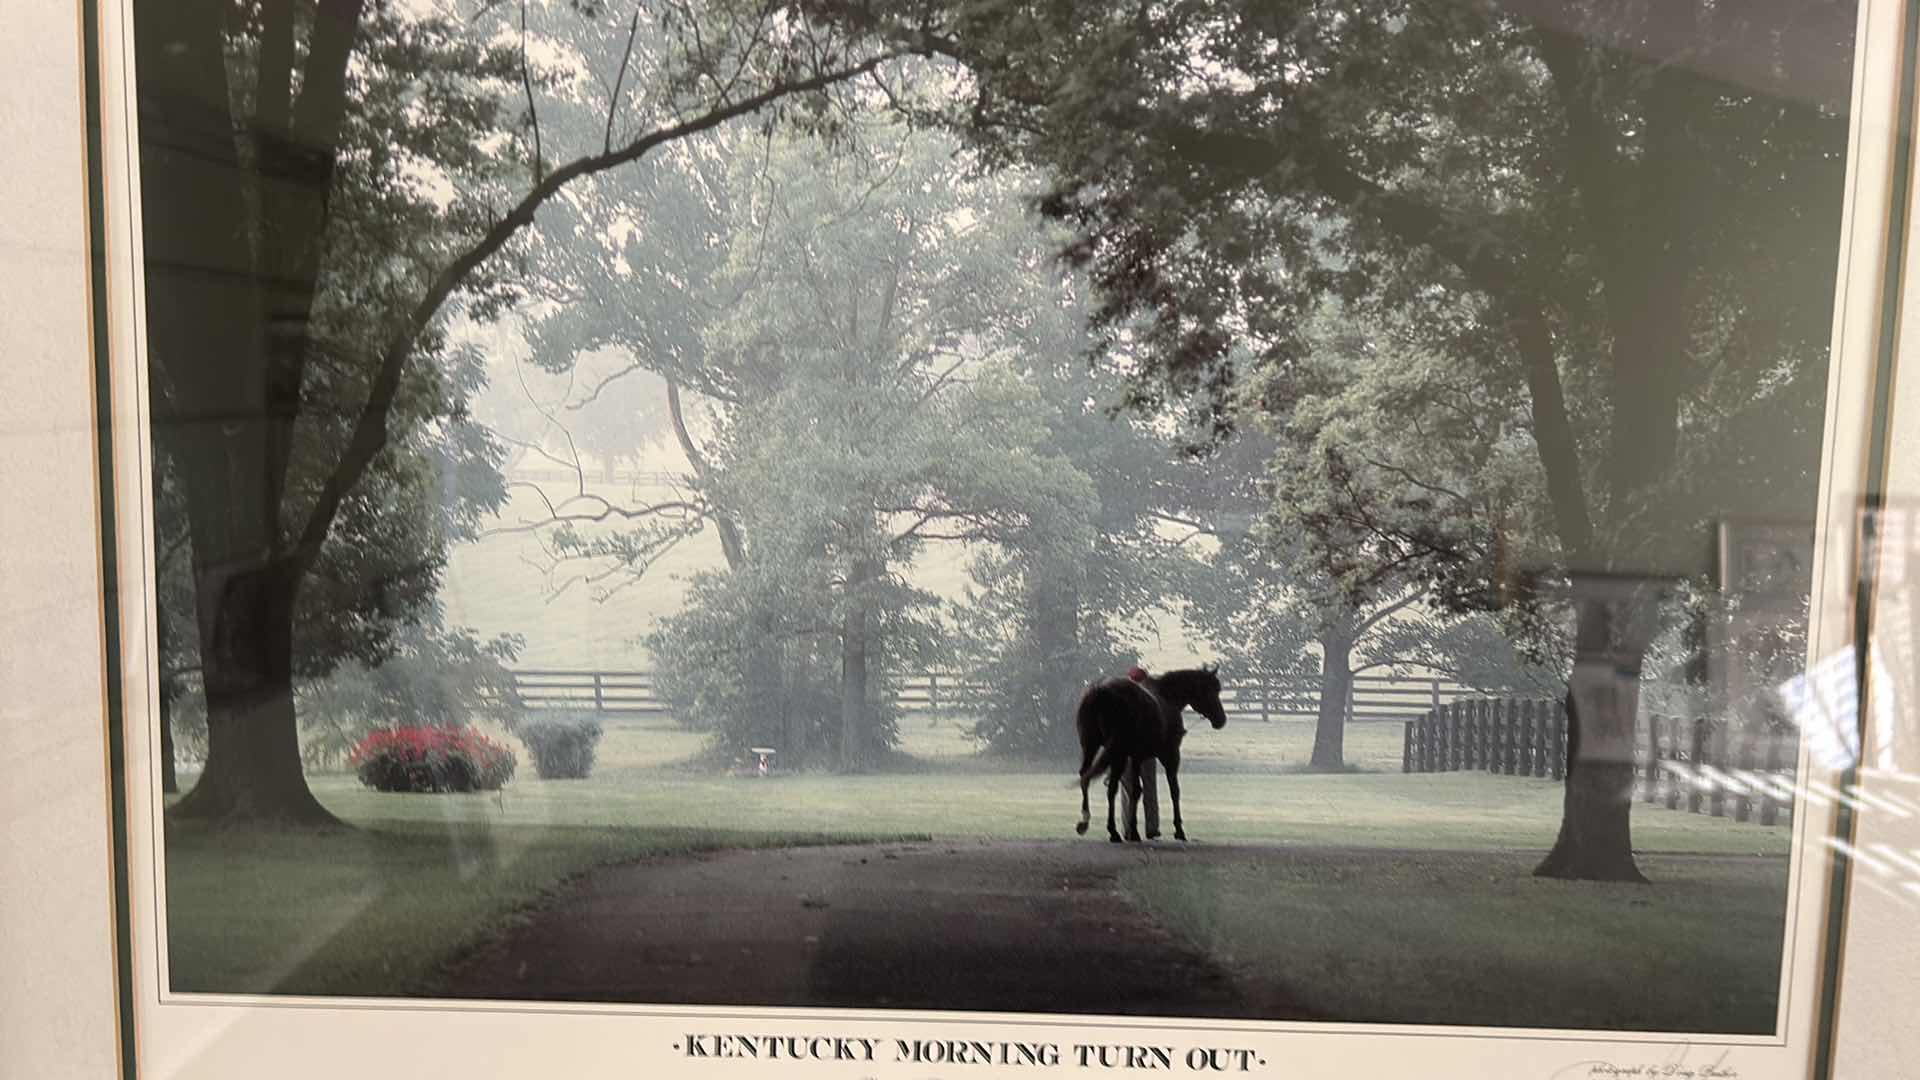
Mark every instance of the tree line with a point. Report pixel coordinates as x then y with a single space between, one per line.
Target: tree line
1379 328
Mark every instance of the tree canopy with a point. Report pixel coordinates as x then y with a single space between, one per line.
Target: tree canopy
334 177
1498 308
1631 211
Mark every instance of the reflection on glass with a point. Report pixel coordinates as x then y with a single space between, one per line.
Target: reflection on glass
643 492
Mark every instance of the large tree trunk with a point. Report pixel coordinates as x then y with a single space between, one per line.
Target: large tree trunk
1056 635
169 693
1336 685
800 744
1603 697
253 771
853 677
169 774
773 719
765 663
227 353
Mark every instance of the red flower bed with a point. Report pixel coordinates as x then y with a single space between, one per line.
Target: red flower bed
431 759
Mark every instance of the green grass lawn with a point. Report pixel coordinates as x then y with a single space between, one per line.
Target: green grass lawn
1445 811
373 911
377 908
1242 746
1237 787
1471 938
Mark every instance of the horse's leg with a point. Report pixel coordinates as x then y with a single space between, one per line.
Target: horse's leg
1173 789
1114 769
1132 782
1149 797
1086 814
1089 757
1126 793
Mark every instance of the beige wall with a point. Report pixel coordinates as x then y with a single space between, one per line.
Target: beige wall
56 960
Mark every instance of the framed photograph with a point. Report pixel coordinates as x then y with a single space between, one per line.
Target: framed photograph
646 536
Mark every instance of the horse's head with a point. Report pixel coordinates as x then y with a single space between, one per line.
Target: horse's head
1205 695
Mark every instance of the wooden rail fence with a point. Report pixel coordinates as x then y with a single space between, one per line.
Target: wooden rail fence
1679 762
1372 698
599 691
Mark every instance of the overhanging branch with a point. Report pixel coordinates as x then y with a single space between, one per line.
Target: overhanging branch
370 428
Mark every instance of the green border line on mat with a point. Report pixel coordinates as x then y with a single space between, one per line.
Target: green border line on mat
112 670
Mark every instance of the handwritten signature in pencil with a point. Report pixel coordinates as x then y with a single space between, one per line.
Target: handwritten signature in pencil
1674 1067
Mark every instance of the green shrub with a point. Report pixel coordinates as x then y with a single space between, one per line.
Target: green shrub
436 677
562 743
745 659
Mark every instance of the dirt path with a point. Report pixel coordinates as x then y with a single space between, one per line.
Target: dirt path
1005 927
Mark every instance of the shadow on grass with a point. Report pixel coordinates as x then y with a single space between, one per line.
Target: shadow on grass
374 911
1472 938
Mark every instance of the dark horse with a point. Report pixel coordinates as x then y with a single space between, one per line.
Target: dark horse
1124 723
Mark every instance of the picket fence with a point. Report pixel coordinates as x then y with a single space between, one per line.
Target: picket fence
1682 763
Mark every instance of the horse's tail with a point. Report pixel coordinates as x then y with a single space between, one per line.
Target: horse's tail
1086 731
1088 772
1092 768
